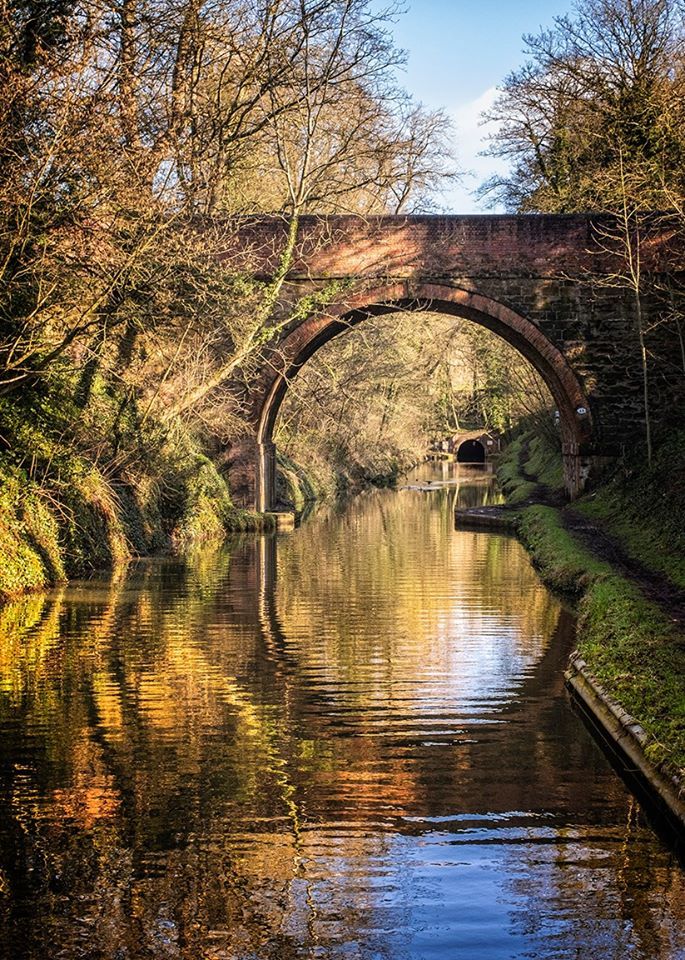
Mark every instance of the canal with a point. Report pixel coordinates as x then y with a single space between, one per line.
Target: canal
348 741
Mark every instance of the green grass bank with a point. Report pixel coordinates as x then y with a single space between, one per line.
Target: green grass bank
88 482
299 486
630 631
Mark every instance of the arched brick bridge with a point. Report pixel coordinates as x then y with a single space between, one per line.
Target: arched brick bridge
531 279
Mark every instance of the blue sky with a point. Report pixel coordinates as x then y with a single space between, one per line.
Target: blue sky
459 51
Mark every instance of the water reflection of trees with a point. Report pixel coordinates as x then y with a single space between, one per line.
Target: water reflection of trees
195 760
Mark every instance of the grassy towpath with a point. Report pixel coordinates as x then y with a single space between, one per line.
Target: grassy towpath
620 554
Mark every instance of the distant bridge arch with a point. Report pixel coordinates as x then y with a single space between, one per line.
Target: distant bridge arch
471 451
474 446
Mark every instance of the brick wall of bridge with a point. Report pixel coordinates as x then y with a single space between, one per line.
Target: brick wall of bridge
544 268
538 245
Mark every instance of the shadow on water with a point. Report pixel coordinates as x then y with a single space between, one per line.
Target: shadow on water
352 740
656 815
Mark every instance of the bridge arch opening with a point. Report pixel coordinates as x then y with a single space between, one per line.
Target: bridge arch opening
471 451
302 343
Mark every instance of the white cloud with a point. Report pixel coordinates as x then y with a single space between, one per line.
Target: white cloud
471 138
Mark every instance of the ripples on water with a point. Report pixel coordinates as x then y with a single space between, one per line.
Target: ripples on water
348 742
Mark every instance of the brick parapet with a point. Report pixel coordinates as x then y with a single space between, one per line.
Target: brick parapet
526 245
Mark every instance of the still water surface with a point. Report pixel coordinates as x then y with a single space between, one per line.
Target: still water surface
350 741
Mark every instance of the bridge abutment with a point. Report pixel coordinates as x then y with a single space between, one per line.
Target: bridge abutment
252 474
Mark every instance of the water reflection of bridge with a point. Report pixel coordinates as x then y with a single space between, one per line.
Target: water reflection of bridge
473 779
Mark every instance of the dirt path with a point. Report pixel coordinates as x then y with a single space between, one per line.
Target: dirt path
655 586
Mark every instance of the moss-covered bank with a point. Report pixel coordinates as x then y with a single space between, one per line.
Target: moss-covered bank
632 640
298 486
90 482
530 469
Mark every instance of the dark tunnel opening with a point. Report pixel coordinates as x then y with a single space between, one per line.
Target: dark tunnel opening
471 451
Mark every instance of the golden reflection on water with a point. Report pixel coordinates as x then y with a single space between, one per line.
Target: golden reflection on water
350 741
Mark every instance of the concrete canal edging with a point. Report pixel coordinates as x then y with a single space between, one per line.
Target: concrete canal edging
628 737
486 518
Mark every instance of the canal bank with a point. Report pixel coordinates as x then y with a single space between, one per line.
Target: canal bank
631 610
85 487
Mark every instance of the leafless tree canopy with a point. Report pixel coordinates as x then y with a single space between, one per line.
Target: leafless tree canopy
595 121
603 88
124 122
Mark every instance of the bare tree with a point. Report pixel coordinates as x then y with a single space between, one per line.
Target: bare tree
606 81
594 122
